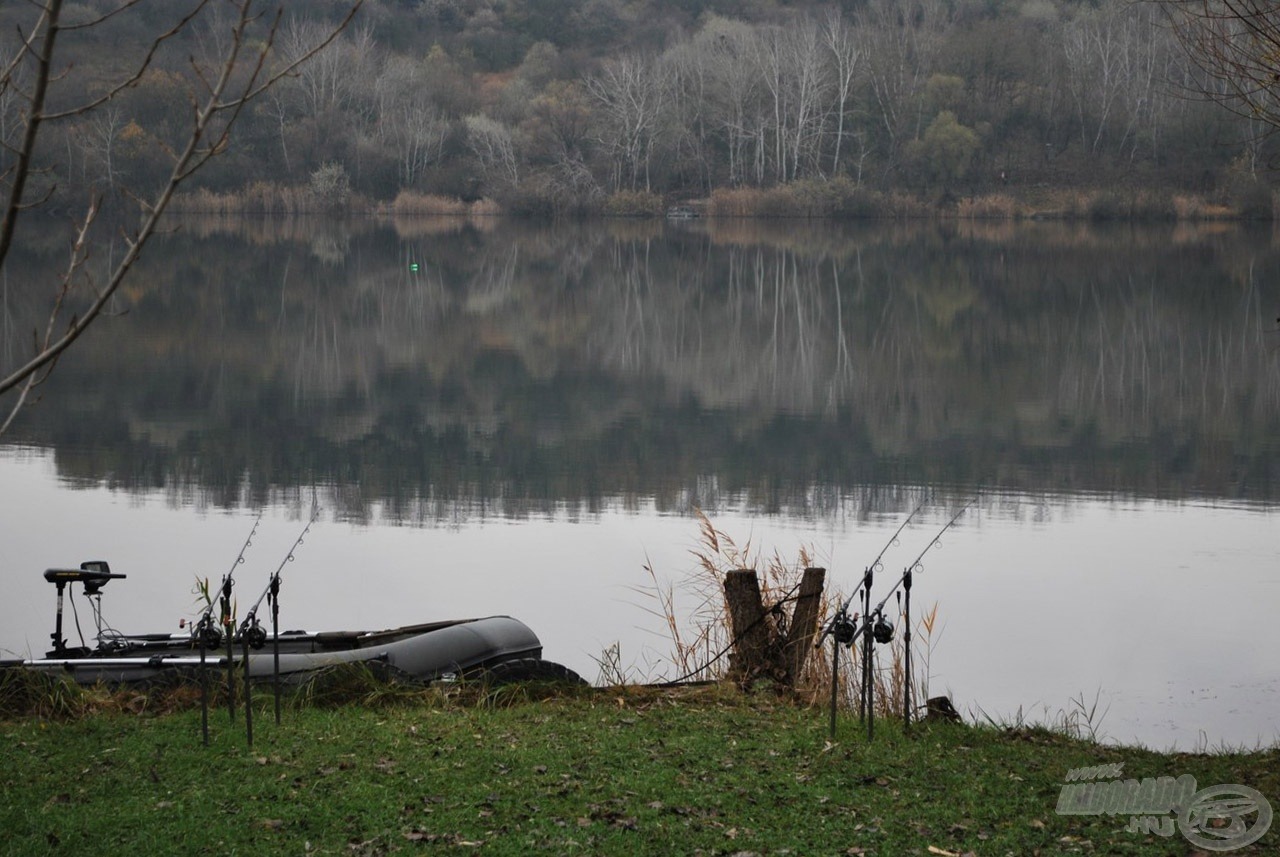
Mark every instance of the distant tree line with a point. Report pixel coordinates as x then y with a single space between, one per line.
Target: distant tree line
548 105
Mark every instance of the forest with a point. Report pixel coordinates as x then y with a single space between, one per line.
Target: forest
629 106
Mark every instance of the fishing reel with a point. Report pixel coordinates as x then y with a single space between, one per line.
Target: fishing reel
882 630
253 634
844 629
206 634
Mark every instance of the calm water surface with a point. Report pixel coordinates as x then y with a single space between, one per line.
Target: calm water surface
500 418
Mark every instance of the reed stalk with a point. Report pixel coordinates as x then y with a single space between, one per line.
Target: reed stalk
699 643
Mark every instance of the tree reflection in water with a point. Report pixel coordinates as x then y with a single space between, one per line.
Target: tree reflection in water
442 368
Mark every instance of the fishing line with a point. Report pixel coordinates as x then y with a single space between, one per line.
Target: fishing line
207 613
872 626
774 609
252 634
251 617
875 565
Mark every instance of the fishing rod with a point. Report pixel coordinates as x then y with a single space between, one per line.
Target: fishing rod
843 630
843 611
882 630
252 633
916 564
209 637
207 614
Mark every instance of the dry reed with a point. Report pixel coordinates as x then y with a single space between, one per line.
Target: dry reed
1190 207
701 643
990 207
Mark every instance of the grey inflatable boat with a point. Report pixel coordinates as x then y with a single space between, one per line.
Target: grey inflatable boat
498 646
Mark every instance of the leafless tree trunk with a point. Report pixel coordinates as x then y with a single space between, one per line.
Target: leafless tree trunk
98 139
218 96
725 48
846 57
811 84
790 66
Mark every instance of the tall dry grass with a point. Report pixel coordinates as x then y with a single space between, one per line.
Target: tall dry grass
1188 207
990 207
409 202
633 203
734 202
256 198
806 198
701 640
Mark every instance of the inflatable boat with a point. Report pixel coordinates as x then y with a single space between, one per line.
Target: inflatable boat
493 646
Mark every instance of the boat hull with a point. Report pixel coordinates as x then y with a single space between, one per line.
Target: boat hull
423 652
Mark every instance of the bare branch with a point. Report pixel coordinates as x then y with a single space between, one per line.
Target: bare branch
1236 42
104 17
213 118
26 150
27 387
141 69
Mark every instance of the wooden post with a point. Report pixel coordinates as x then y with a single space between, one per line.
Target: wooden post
747 624
756 647
804 621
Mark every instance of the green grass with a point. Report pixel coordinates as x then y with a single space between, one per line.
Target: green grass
616 771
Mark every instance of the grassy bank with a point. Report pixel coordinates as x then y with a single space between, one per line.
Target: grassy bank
616 771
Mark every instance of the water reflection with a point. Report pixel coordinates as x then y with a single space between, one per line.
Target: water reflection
437 369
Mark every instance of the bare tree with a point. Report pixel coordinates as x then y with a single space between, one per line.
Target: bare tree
900 42
245 67
630 93
495 148
328 81
411 125
1096 52
846 56
1236 42
791 68
726 48
99 137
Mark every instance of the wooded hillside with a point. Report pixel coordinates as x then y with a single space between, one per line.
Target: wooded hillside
545 105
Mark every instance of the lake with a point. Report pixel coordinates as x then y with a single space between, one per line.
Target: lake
503 417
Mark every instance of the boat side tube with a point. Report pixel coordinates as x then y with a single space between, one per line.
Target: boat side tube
456 649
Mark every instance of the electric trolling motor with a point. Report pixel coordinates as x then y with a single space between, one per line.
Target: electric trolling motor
93 575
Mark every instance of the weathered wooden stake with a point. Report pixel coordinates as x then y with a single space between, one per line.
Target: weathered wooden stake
804 621
751 650
757 650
